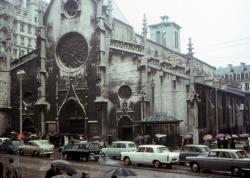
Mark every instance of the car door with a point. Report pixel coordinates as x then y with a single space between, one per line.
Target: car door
148 155
224 162
138 157
211 161
184 153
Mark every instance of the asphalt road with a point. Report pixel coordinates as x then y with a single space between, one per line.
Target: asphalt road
36 167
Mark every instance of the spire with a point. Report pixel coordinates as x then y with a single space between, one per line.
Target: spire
190 49
144 30
110 8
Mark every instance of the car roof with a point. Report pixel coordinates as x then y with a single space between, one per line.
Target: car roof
4 138
195 145
226 150
155 146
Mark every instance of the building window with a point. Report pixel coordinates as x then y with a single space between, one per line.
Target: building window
35 19
22 27
234 75
174 84
246 76
29 43
238 76
21 53
242 76
230 77
176 37
29 29
22 40
246 86
158 37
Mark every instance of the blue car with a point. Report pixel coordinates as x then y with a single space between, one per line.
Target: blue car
9 146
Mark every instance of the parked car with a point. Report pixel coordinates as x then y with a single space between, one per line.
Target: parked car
36 148
155 155
83 151
232 160
2 139
114 151
9 146
192 150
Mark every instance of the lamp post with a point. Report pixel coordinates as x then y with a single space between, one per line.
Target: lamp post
21 73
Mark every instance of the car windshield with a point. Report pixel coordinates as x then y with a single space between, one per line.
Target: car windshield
162 149
16 143
131 145
241 154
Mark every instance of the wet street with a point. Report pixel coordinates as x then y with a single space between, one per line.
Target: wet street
35 167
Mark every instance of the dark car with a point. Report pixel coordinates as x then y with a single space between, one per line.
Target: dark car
82 151
9 146
232 160
192 150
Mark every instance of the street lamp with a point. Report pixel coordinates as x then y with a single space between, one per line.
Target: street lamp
21 73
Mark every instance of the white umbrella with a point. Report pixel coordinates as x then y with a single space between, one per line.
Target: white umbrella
160 135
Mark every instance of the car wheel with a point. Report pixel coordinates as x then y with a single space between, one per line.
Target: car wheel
84 159
126 161
35 154
48 155
157 164
236 171
195 167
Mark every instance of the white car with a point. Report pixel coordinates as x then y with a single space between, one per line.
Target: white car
37 148
155 155
117 147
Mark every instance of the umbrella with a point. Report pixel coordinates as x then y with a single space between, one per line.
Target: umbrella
228 136
146 136
64 166
218 136
160 135
138 138
122 172
244 135
234 136
207 137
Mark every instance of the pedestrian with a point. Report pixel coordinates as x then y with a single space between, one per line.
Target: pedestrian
11 170
84 175
51 172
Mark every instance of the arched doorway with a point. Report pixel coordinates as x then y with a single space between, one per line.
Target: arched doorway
28 125
125 128
72 117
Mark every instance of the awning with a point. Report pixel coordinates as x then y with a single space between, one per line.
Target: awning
42 103
160 118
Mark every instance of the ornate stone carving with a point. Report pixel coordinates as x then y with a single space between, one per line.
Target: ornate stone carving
72 50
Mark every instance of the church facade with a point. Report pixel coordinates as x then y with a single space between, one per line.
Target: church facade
91 74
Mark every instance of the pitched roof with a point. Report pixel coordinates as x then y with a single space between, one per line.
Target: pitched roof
160 118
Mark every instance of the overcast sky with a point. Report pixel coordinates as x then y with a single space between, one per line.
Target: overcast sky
219 29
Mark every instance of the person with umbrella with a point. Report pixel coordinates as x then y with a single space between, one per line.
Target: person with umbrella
51 172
